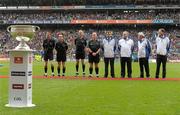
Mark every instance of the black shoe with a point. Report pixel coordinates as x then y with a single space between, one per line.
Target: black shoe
76 74
113 76
157 77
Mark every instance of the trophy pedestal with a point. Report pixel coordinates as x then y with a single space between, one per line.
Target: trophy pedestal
25 47
20 78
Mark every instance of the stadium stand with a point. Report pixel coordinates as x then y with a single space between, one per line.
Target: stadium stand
67 16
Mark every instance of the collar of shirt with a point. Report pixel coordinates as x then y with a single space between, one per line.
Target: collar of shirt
142 40
162 37
126 39
108 39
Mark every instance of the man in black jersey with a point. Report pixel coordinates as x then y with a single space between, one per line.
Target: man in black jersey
94 49
61 48
48 47
80 43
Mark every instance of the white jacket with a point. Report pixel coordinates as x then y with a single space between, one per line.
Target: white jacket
126 47
163 45
109 47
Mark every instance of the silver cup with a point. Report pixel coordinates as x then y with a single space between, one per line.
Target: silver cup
23 33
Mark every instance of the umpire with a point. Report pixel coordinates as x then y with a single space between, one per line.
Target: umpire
61 48
48 47
109 46
144 50
126 48
163 46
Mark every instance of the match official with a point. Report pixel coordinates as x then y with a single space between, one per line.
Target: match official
61 48
109 46
162 49
126 46
94 49
80 44
144 51
48 47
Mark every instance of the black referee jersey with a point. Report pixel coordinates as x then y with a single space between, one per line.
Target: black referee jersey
61 48
80 44
48 47
94 45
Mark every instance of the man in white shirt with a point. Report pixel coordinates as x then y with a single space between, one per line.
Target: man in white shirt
109 46
144 50
126 48
162 49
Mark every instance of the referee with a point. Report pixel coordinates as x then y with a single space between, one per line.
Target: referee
144 50
126 48
80 44
61 48
163 46
48 47
94 49
109 46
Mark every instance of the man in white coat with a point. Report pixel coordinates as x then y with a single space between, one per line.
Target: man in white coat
144 51
126 46
109 46
162 49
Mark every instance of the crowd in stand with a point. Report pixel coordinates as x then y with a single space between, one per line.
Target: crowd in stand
85 2
71 34
92 15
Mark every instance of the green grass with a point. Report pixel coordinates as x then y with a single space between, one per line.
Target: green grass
173 69
91 97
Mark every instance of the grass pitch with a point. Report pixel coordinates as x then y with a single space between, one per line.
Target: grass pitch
102 97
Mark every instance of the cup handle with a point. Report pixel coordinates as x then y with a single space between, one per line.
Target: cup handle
9 29
36 28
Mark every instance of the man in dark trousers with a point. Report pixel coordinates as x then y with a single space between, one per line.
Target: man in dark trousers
80 43
48 47
163 46
94 49
109 46
144 51
61 48
126 48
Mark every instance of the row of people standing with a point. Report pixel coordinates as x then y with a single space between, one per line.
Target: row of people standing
108 46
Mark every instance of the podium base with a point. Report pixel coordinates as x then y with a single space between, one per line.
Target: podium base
20 106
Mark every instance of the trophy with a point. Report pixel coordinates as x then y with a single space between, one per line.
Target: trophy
21 63
22 33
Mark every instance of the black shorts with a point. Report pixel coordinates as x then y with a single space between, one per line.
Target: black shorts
61 58
48 56
80 55
94 59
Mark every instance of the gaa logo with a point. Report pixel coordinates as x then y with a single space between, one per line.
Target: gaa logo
18 60
17 99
